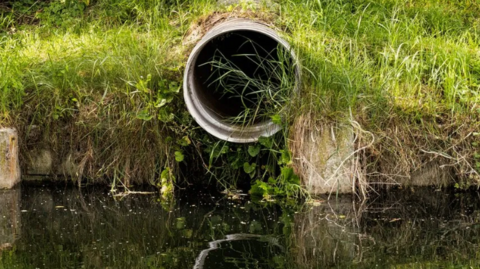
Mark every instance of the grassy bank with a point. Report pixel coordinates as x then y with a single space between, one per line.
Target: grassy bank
101 81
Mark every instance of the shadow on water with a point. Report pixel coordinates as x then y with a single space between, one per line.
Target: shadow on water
69 228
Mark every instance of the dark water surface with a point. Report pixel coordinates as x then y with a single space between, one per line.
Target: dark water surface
70 228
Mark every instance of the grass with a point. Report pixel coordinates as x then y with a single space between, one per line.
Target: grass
261 94
101 78
408 72
102 88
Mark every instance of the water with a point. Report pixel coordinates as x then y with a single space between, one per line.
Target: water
69 228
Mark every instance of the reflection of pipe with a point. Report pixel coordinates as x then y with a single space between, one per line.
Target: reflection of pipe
204 105
200 261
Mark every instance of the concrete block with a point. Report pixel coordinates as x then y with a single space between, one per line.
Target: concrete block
40 162
9 164
324 156
43 163
431 174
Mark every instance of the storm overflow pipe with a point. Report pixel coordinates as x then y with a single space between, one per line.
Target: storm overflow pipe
210 108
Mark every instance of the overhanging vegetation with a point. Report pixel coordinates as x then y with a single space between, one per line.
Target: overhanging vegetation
101 81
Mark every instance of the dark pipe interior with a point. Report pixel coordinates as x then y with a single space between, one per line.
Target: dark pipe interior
231 45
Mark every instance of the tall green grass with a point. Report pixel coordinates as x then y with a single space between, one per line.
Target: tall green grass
408 72
102 84
416 56
105 76
262 92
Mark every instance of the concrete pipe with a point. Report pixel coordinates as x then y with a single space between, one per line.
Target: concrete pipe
212 109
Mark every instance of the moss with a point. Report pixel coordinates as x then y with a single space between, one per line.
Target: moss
3 150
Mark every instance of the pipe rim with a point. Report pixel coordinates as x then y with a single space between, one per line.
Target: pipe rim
214 125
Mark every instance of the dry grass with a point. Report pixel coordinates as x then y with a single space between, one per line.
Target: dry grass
405 150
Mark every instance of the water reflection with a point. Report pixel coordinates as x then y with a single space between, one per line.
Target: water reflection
422 227
241 251
71 228
9 218
326 235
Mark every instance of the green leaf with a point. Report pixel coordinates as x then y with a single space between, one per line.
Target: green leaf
160 102
174 87
287 173
217 151
165 173
166 176
285 158
295 180
168 139
164 115
259 188
254 150
289 176
142 84
236 163
270 168
276 119
179 156
187 233
144 115
249 168
266 142
184 141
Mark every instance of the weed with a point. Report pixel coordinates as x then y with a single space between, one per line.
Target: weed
266 164
260 83
102 78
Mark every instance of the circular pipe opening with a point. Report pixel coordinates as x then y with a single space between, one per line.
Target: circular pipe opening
236 77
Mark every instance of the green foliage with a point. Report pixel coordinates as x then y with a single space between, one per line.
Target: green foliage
267 164
476 154
184 141
267 142
217 150
62 13
179 157
254 150
103 79
287 184
155 98
250 169
6 21
262 95
166 183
